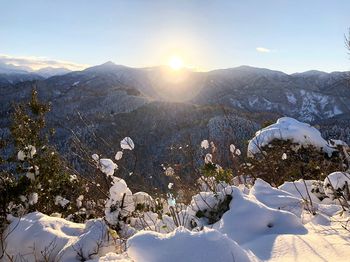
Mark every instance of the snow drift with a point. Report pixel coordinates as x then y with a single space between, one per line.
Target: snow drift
184 245
248 219
38 236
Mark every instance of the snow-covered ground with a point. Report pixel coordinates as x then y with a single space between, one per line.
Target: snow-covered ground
262 224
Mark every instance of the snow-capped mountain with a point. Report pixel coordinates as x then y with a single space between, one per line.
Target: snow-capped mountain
308 96
160 108
13 69
12 74
52 71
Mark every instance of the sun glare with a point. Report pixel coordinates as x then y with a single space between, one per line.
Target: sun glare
175 63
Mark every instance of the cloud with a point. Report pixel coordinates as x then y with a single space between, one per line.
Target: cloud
263 50
38 62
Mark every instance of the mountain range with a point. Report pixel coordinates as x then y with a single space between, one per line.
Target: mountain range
12 74
168 112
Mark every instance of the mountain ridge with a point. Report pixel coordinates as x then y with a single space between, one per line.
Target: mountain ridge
161 109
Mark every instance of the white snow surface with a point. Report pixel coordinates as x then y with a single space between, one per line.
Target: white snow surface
248 219
321 243
298 189
287 128
262 224
184 245
275 198
34 233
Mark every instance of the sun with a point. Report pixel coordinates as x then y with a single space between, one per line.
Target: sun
176 63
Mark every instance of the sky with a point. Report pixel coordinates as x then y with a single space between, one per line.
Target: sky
286 35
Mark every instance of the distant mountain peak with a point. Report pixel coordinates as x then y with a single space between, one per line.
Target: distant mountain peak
107 66
310 73
108 63
52 71
13 69
258 69
248 70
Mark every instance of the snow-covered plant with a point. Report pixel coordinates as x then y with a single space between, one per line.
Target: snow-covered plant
33 198
208 158
120 203
143 201
208 207
169 171
284 156
28 152
232 148
210 184
291 150
317 189
282 162
36 173
234 151
213 172
107 166
127 143
337 186
205 144
118 155
61 201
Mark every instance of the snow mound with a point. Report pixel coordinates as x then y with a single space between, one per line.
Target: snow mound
184 245
46 238
287 128
276 198
248 219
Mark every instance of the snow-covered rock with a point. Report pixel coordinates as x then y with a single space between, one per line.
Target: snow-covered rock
287 128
